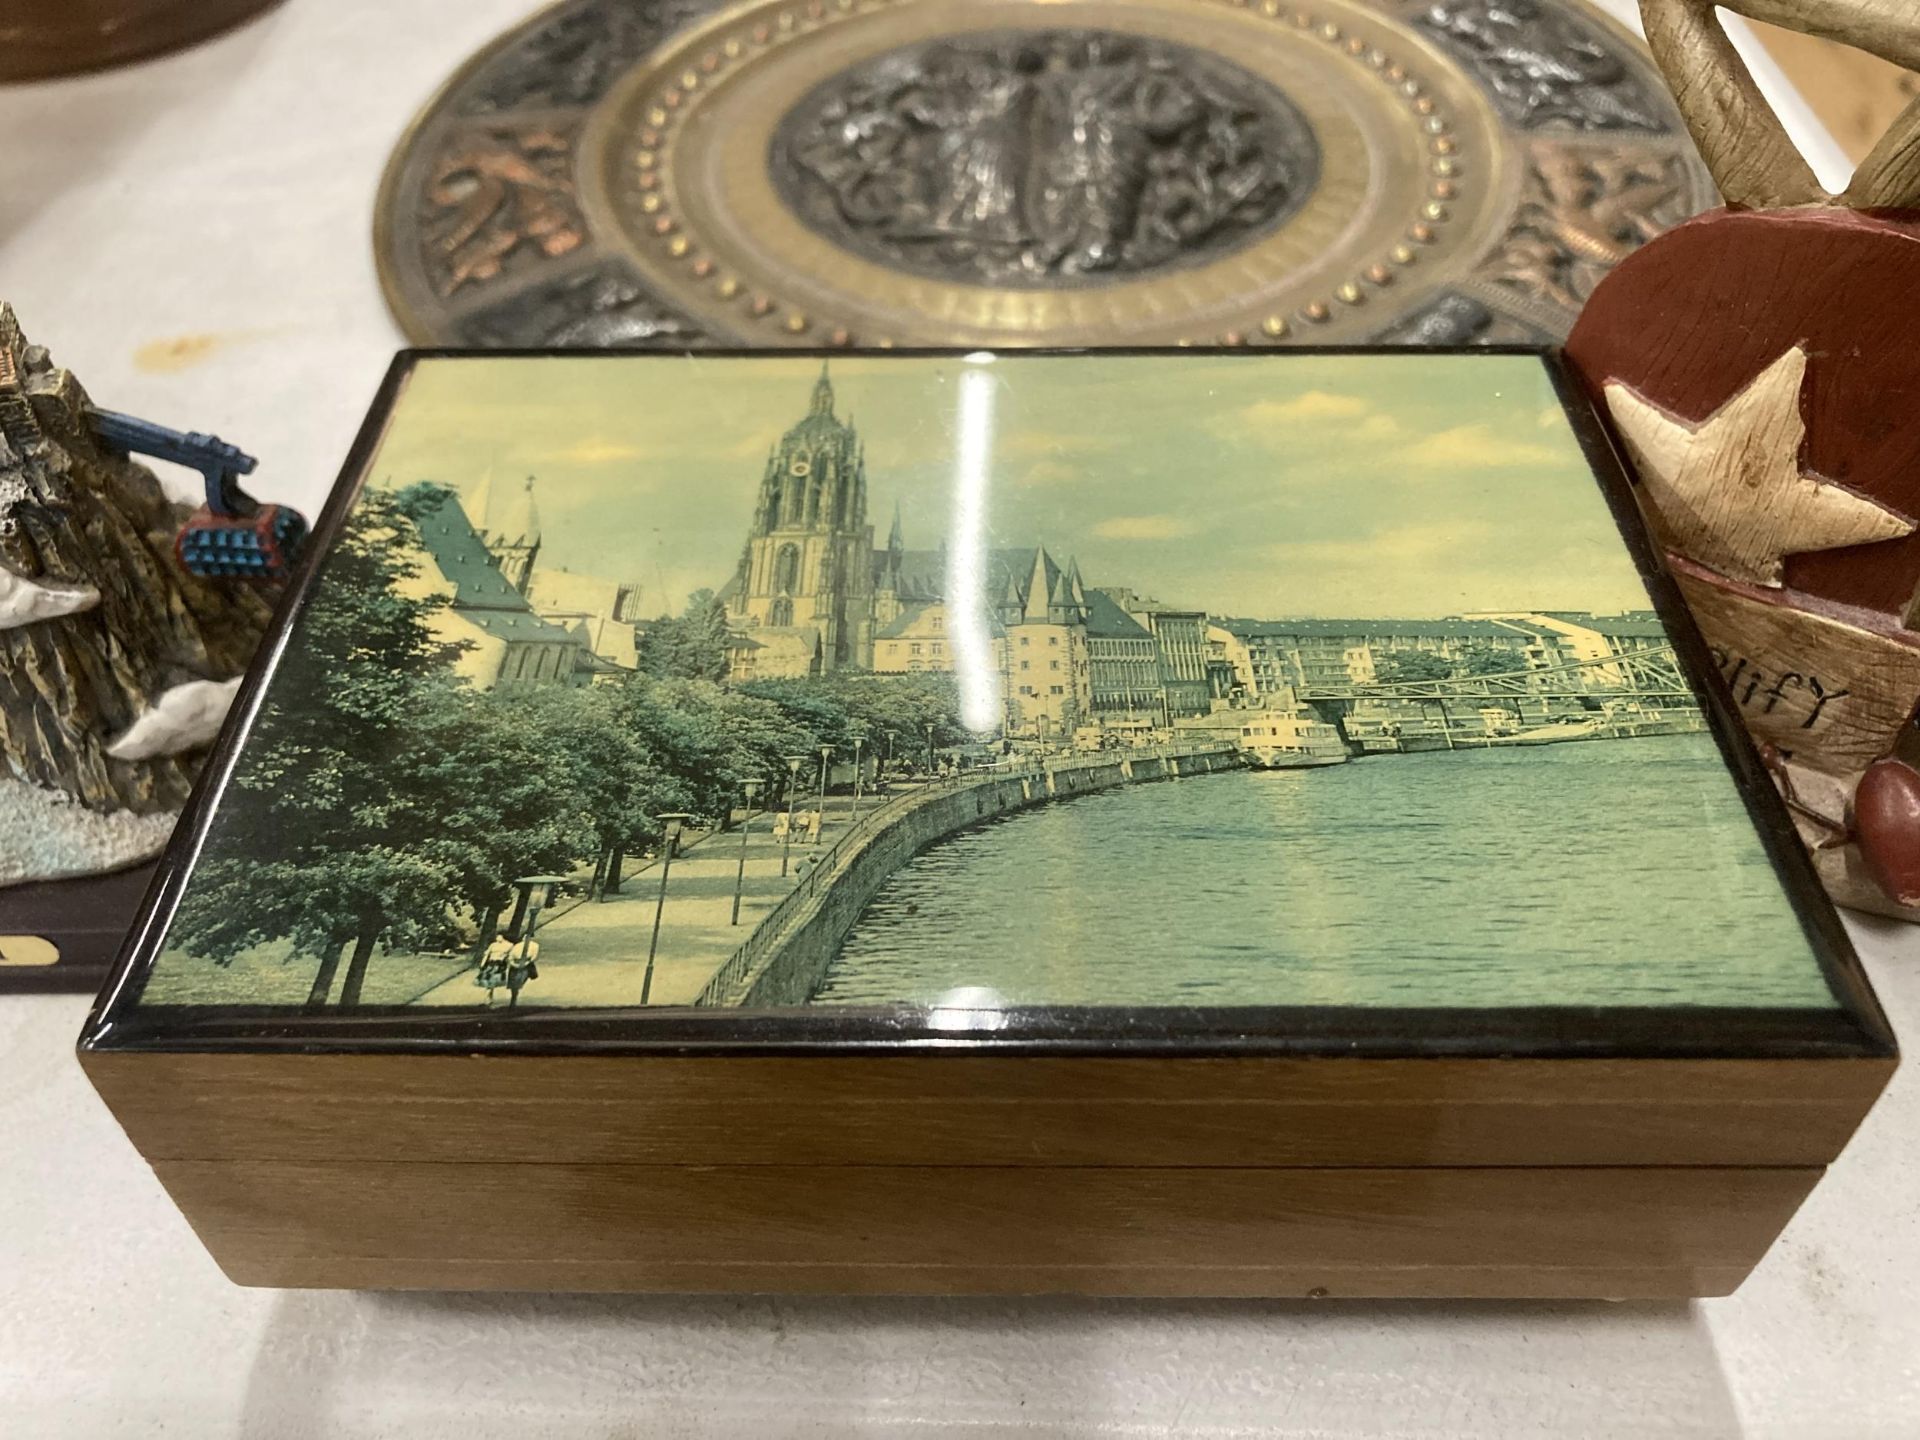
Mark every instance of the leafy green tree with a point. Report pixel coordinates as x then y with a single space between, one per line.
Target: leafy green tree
508 800
811 706
900 708
322 900
690 646
713 740
611 761
891 712
921 701
1490 660
758 735
1412 665
323 820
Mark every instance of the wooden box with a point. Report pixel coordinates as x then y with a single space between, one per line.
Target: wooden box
975 847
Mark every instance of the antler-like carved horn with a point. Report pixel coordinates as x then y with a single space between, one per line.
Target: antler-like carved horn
1738 135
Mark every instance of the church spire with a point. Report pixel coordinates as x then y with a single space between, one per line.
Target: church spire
823 392
514 542
520 525
896 537
1040 587
480 503
1076 589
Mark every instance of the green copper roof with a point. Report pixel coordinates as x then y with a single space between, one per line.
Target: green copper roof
1107 621
481 593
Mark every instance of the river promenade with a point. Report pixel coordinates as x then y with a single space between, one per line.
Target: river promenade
593 952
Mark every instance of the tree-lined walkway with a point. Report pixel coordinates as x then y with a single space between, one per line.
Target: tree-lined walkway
595 954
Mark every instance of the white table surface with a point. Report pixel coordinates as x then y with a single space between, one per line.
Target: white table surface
215 206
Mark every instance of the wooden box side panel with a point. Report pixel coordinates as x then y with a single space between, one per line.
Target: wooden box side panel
896 1229
985 1110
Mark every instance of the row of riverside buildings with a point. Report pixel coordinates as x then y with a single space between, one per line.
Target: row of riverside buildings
813 595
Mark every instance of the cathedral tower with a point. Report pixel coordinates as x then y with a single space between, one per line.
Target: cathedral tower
512 537
809 559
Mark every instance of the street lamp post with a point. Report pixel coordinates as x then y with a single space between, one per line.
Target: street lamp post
929 749
826 754
793 790
858 741
675 819
752 787
536 893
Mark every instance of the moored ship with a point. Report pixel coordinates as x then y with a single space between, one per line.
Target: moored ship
1554 733
1276 740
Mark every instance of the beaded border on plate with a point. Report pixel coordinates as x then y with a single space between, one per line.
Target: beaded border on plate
667 108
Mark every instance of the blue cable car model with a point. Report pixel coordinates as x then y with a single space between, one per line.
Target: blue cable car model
232 535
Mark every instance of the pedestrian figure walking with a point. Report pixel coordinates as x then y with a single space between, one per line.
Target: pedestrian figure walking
521 968
493 966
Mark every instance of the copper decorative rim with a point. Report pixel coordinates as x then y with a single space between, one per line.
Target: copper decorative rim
645 212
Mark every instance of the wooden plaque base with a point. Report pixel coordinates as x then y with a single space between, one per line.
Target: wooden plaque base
66 933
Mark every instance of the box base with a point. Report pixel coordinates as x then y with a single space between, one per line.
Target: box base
1569 1233
903 1174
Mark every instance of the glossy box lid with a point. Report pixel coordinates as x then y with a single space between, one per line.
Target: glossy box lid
1130 703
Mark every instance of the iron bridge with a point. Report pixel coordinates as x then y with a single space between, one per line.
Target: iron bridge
1650 673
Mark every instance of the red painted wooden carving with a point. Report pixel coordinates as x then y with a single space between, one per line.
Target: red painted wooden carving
1761 369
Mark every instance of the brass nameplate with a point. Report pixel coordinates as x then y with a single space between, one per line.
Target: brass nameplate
28 950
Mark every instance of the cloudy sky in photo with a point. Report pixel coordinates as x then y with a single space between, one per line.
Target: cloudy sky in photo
1274 485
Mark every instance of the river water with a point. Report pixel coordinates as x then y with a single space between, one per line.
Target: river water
1618 872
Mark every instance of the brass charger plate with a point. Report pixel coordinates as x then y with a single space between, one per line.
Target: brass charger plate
1012 172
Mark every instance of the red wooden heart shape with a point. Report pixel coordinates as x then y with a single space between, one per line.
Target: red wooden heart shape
1692 318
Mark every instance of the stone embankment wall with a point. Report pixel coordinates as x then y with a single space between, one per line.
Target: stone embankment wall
786 958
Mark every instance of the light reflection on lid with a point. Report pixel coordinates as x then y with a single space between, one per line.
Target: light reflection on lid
977 679
969 1007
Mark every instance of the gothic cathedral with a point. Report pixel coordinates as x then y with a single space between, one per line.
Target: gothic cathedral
808 565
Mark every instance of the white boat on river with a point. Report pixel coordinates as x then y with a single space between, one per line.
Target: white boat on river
1276 740
1553 734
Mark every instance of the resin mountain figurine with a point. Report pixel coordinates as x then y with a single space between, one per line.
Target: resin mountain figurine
117 662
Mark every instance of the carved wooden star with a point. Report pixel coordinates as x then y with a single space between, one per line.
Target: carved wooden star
1730 491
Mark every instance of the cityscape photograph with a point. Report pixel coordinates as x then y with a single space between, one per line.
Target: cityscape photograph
970 682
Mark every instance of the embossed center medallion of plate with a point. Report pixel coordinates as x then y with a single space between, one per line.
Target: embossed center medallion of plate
1084 172
1044 158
